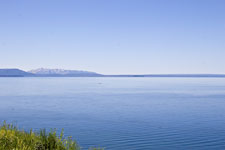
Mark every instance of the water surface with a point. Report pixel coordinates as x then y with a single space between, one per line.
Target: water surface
121 113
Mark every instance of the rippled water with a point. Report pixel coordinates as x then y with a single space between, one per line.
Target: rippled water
121 113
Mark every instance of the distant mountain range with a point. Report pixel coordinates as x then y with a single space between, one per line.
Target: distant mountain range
62 73
14 73
42 72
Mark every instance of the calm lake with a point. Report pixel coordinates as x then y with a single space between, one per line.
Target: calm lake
121 113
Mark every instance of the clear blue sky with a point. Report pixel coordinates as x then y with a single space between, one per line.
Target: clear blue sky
114 36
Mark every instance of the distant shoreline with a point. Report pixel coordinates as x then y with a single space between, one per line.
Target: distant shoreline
122 76
76 73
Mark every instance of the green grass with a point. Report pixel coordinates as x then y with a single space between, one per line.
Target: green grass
11 138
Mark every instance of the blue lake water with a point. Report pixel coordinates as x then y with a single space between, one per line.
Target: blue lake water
121 113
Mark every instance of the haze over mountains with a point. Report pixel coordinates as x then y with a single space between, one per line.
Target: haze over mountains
62 72
14 73
42 72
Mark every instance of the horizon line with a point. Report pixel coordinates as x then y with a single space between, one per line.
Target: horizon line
144 74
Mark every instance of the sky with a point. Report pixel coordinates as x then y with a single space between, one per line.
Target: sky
114 36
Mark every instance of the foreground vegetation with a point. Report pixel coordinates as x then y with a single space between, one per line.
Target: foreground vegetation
11 138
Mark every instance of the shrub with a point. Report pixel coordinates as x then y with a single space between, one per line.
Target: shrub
11 138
